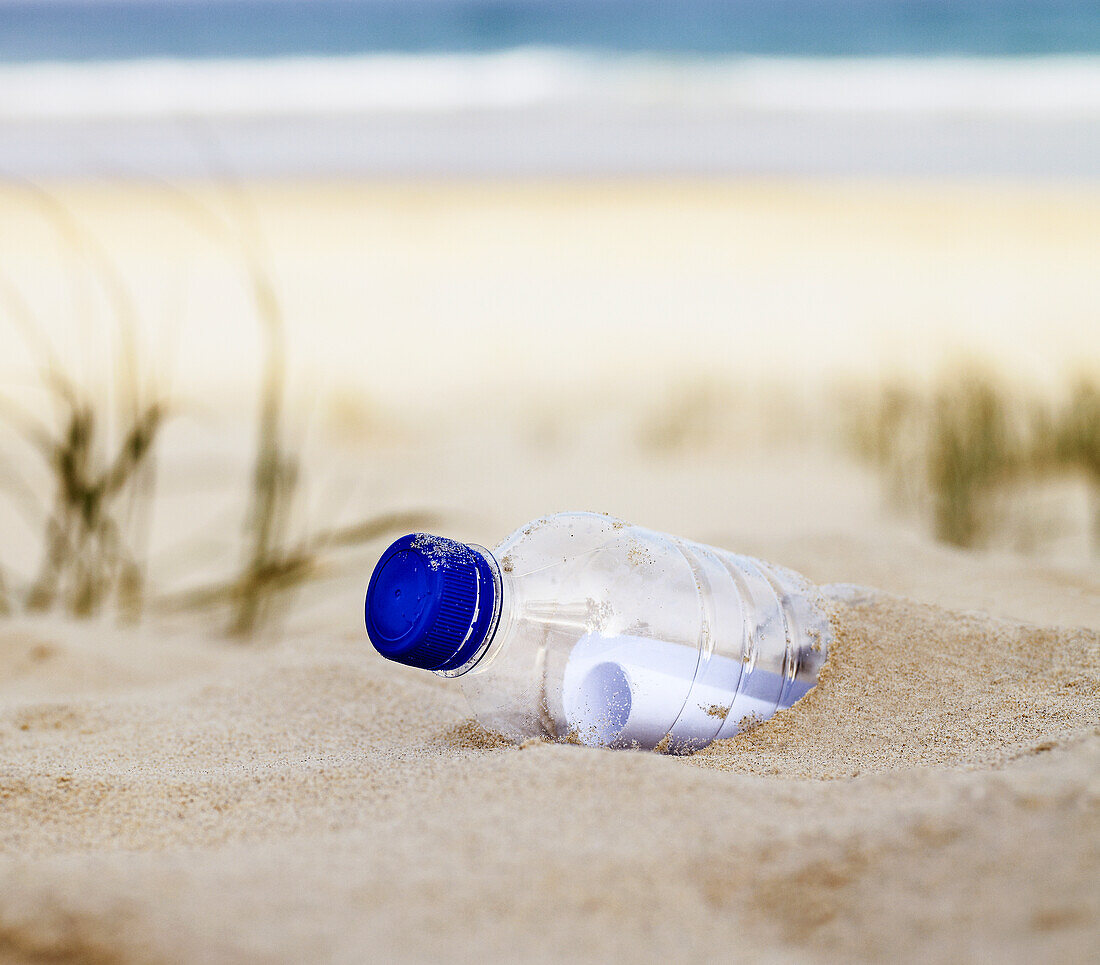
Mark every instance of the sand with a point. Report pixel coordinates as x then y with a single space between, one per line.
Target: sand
934 799
168 796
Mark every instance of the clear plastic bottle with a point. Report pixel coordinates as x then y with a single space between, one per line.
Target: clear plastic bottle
582 627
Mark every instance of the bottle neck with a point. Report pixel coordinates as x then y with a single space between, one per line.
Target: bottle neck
501 609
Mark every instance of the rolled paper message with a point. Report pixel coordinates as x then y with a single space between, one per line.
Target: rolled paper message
628 691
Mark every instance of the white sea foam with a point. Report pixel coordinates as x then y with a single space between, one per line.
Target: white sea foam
1053 87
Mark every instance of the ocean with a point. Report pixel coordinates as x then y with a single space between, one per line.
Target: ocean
550 87
126 29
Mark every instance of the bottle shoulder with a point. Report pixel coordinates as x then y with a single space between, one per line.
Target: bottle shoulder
567 537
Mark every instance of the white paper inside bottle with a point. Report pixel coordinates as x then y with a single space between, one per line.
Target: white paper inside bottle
629 691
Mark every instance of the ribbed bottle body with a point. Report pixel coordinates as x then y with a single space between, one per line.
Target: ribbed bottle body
611 634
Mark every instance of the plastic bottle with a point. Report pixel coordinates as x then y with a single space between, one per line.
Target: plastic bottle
582 627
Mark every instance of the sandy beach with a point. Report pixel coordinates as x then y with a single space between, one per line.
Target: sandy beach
167 795
168 798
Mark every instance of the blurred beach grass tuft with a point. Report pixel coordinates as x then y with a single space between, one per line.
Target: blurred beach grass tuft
970 449
959 451
98 452
100 462
275 561
1078 442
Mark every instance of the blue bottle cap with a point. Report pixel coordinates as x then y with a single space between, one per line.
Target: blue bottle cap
430 602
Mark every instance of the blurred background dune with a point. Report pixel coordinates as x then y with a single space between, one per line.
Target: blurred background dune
258 254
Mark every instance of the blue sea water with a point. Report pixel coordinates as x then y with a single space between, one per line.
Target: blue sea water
550 87
124 29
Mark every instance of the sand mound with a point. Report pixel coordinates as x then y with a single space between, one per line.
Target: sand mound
911 685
